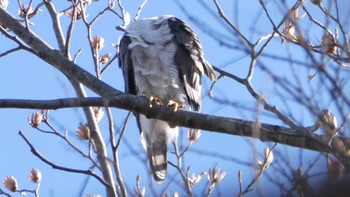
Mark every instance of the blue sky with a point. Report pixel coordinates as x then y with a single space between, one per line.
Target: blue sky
25 76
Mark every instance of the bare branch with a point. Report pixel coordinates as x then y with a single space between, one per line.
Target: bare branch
53 165
15 39
65 138
240 194
70 32
10 51
140 9
4 193
222 15
55 17
178 167
123 192
260 171
123 130
232 126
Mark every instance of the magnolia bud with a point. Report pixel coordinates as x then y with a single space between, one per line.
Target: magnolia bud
328 122
36 119
105 58
98 43
83 132
10 183
35 176
4 4
25 10
328 43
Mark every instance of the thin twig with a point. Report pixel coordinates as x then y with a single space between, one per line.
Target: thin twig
140 9
94 52
65 138
77 54
10 51
222 15
240 184
70 32
122 132
4 193
115 57
55 17
260 171
115 153
178 168
55 166
15 39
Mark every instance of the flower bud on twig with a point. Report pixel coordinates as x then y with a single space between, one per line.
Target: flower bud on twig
4 4
98 43
328 122
36 119
10 183
35 176
329 43
83 132
105 58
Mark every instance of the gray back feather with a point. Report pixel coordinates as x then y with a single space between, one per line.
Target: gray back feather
189 57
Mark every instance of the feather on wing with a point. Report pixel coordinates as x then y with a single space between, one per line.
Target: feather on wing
190 59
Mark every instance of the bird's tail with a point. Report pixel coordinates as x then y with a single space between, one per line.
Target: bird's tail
158 159
154 138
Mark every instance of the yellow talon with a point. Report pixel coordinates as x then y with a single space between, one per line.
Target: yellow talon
154 100
174 105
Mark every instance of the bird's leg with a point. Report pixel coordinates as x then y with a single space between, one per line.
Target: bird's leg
175 105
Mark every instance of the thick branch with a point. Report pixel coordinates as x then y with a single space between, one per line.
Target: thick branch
54 57
231 126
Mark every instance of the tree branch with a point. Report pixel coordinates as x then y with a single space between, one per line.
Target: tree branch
55 166
218 124
55 57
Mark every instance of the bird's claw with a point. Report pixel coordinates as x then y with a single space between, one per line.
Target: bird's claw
174 105
154 100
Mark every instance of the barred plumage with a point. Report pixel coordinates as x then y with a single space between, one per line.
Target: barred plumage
162 57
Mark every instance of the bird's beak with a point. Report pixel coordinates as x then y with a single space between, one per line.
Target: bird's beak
121 28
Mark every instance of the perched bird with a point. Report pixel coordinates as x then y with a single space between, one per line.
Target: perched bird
162 59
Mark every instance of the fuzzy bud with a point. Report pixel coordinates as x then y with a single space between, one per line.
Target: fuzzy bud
215 176
329 43
10 183
84 132
25 10
4 4
328 122
98 43
35 176
105 58
36 119
79 12
193 134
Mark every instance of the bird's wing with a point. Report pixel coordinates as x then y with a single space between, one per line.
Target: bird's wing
189 57
125 63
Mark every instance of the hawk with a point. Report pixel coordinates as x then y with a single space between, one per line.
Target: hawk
162 59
